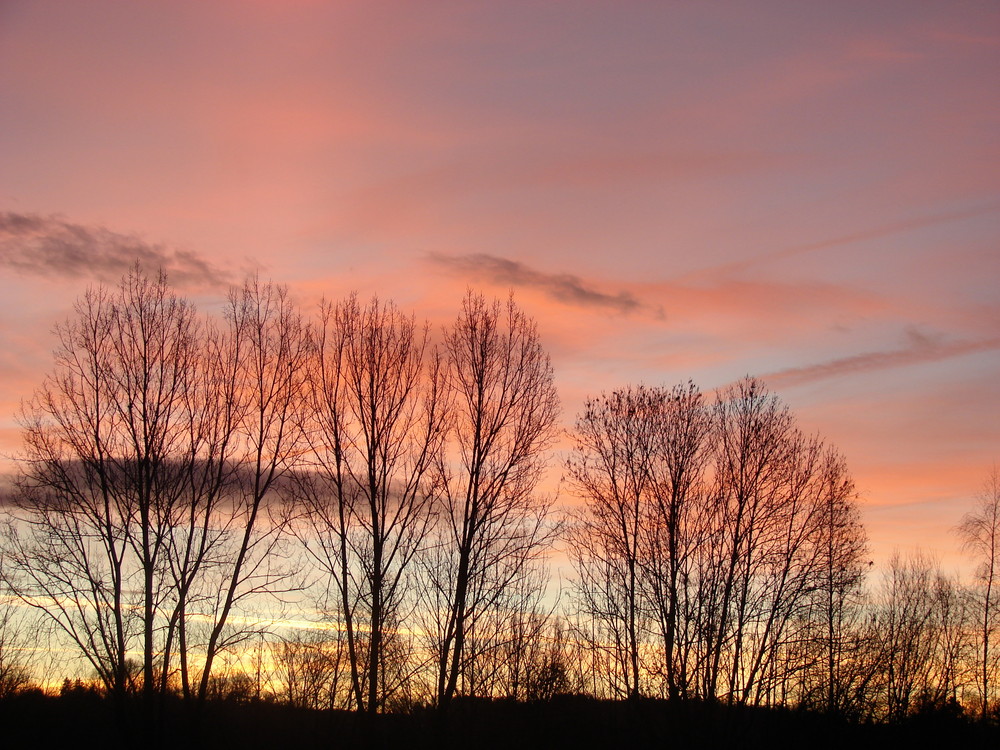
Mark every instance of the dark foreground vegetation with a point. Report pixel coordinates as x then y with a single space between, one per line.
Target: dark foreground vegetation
33 719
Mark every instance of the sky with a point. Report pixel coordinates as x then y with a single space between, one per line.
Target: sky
808 192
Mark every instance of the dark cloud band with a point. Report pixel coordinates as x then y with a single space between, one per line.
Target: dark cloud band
50 246
563 287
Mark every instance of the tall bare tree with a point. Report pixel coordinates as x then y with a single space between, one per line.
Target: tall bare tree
149 454
491 524
780 496
674 528
264 354
612 470
752 452
98 478
980 533
375 429
842 545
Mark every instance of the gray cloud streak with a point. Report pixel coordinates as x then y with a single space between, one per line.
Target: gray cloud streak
563 287
50 246
922 348
886 230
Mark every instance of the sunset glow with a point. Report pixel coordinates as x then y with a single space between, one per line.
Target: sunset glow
804 192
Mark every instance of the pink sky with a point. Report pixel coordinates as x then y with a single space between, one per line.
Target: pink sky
805 191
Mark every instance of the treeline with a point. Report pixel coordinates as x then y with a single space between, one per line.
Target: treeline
184 477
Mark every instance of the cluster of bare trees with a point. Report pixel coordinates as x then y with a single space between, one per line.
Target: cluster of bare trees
714 538
142 509
171 460
417 494
183 476
719 554
311 667
919 639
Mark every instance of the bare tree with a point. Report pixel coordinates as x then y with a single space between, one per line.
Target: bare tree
491 525
752 462
673 528
612 470
812 580
375 428
98 478
149 453
17 649
262 388
842 545
980 533
905 617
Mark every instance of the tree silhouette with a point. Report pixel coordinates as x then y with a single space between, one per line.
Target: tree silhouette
98 479
711 531
490 525
980 533
150 451
375 427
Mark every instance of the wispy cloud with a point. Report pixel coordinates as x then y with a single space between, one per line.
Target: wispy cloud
885 230
563 287
50 246
921 348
